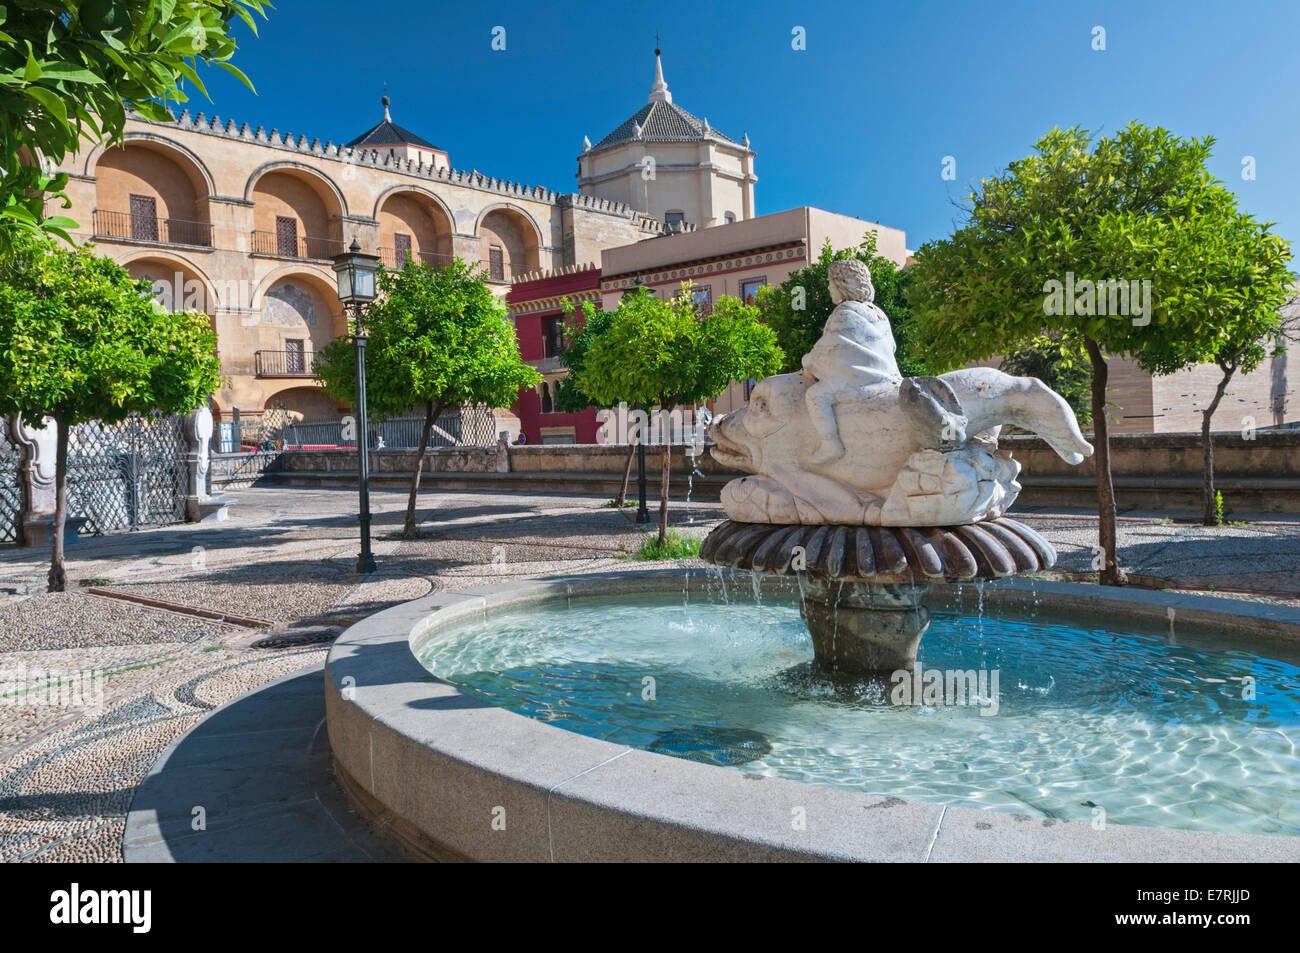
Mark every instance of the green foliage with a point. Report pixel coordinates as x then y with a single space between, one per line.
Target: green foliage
80 339
676 546
437 335
1218 509
668 353
798 328
615 504
1058 365
581 330
1139 205
70 69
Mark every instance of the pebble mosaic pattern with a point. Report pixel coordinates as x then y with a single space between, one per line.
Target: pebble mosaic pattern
287 556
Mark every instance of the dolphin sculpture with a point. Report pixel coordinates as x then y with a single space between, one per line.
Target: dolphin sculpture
911 451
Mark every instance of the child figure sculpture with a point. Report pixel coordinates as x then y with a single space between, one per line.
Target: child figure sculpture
853 358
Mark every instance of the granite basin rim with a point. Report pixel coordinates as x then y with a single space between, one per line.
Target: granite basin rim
429 765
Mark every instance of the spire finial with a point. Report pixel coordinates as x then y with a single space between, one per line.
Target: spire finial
659 91
385 100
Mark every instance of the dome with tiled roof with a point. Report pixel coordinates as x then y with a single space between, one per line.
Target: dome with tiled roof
661 120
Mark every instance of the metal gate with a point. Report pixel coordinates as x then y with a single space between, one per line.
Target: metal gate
11 494
126 475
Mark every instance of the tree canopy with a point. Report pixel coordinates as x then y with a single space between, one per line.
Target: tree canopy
70 70
80 340
582 328
438 338
1122 245
669 353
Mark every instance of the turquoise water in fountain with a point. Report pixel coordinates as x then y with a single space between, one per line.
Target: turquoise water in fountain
1149 728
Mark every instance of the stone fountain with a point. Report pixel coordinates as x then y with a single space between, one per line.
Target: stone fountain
873 487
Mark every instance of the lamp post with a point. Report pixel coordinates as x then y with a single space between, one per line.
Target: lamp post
356 280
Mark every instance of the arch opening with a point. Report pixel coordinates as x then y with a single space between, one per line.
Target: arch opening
508 245
145 192
413 225
296 215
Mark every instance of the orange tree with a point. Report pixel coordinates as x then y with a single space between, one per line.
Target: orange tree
439 338
668 353
1123 246
81 340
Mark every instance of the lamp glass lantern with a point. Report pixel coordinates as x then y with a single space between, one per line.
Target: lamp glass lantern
355 273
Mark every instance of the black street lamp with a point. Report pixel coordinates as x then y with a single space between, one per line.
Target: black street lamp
356 280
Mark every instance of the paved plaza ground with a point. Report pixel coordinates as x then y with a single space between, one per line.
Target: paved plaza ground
183 619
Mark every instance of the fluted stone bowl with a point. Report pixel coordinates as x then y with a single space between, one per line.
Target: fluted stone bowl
991 549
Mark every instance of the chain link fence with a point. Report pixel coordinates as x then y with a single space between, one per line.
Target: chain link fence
11 494
127 475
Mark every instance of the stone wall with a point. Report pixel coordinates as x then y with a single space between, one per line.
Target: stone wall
1151 472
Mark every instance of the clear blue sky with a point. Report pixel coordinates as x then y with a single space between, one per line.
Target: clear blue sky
858 123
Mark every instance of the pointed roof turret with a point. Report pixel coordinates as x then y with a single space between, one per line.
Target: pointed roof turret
659 91
389 133
660 120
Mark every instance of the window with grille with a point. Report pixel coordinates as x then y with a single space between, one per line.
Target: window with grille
496 263
295 358
553 335
402 245
286 236
144 218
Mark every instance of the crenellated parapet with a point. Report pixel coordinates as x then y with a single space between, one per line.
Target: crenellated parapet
386 161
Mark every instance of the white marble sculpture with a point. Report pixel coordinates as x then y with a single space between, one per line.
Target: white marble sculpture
848 440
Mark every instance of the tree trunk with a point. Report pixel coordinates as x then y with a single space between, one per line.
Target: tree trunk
627 475
663 479
431 413
58 577
1211 517
1111 574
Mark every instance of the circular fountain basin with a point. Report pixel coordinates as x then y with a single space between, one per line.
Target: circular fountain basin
693 728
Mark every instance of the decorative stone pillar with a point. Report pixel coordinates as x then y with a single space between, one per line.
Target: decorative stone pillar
198 436
199 505
503 451
36 476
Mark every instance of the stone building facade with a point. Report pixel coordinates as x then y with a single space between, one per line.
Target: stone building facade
241 223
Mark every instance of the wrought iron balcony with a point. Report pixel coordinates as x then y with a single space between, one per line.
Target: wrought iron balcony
149 228
277 245
282 363
390 260
504 272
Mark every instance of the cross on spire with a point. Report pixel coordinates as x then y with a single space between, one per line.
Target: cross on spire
659 91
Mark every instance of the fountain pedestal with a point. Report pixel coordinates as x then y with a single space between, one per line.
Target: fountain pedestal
859 628
863 585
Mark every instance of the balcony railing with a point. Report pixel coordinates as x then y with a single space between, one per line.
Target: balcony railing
389 258
276 245
147 228
504 272
282 363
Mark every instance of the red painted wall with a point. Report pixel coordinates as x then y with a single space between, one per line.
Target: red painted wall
528 330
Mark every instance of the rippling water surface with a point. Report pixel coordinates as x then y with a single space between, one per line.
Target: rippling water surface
1151 730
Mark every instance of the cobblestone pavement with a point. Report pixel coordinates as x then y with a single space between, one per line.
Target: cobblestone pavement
95 684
